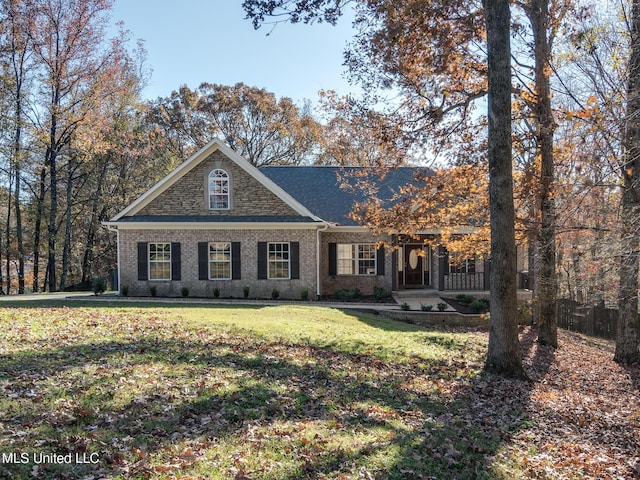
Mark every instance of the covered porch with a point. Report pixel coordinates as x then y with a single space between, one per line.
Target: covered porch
420 264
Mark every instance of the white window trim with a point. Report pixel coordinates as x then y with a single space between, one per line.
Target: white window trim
355 262
209 191
288 277
230 262
149 261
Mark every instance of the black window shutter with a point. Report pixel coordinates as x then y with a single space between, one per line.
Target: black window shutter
175 262
203 261
143 260
235 260
333 259
294 259
380 258
262 260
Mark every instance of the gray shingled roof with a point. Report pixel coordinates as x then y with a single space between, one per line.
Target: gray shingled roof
319 188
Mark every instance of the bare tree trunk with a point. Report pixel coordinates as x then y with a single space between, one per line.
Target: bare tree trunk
1 279
66 249
627 338
96 216
7 232
52 157
38 229
19 237
503 355
547 292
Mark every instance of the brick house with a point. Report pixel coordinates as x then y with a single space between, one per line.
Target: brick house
217 222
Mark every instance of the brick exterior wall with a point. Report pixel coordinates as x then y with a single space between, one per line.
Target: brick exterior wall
249 239
366 283
190 196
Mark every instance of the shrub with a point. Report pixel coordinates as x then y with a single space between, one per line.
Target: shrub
380 294
426 308
245 291
465 299
216 292
441 306
405 306
479 306
346 295
185 291
124 291
304 294
98 285
153 290
275 294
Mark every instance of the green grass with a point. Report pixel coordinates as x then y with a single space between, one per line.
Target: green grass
284 392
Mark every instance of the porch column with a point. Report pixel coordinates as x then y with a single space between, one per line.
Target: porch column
394 264
487 274
442 266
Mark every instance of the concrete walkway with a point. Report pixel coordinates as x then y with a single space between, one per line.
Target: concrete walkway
414 298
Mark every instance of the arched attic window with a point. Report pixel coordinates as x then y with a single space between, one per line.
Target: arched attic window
219 190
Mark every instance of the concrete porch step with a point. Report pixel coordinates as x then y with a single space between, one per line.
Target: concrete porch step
418 292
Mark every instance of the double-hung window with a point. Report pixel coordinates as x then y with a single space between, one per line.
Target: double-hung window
220 261
278 265
219 190
465 265
356 259
160 261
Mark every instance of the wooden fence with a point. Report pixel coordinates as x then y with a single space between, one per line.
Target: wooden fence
588 319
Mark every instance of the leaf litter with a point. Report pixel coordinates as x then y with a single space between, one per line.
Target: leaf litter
154 396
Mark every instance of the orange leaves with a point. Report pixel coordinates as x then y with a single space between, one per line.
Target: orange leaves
451 202
591 111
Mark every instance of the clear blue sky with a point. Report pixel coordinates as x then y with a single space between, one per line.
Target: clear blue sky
195 41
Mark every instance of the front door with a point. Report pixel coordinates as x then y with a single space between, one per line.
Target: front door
413 266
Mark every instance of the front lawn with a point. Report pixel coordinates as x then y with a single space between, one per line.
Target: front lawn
292 392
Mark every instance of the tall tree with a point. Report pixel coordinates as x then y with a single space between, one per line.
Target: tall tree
546 280
16 62
628 334
504 355
68 38
263 129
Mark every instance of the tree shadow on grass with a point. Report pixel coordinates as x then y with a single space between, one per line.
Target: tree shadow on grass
238 407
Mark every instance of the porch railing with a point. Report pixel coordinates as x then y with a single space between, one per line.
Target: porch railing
464 281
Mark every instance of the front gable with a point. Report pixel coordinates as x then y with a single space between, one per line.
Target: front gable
185 191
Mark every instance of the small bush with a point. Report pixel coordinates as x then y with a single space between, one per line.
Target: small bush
98 285
124 291
304 294
185 291
245 291
465 299
347 295
380 294
479 306
216 292
441 306
426 308
153 290
275 294
405 306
